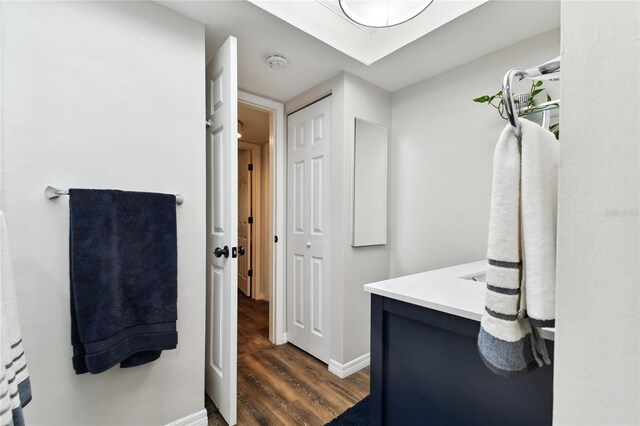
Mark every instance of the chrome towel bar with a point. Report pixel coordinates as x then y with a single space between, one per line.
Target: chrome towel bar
50 192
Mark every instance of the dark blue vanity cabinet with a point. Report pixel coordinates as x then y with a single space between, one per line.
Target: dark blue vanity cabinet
425 370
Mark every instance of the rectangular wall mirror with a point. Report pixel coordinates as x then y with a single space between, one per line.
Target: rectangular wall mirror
370 184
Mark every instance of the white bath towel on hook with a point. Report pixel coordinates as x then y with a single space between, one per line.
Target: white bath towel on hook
539 201
521 251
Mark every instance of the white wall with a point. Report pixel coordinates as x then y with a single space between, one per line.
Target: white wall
102 95
597 373
441 159
362 265
351 267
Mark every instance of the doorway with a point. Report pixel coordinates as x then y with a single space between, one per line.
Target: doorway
254 215
226 252
267 148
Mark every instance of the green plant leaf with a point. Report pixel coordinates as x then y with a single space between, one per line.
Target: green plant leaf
548 98
535 92
538 84
482 99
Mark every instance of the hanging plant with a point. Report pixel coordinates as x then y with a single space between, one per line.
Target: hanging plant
523 103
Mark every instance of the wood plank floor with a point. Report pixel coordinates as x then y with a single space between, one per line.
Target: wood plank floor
253 325
283 385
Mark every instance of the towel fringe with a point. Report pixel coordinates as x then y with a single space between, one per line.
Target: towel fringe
539 348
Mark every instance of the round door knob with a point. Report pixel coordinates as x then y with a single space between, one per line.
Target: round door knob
241 250
219 252
308 244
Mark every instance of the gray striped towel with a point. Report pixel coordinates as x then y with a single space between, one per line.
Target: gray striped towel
507 342
15 388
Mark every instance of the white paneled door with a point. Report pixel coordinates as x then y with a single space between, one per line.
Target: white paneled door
222 232
244 221
308 210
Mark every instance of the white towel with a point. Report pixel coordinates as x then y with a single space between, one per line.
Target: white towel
539 216
15 387
507 343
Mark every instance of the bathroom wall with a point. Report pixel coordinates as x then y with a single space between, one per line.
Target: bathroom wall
102 95
597 373
352 267
441 158
361 265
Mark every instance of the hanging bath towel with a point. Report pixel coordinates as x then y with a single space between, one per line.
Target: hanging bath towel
15 387
123 267
539 222
521 252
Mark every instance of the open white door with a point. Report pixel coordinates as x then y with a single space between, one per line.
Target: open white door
222 231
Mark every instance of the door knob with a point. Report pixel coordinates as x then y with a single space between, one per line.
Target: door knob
241 250
218 252
308 244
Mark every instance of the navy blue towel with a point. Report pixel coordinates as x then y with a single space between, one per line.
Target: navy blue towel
124 273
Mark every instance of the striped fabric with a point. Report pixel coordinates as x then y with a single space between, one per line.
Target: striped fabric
507 343
539 206
15 388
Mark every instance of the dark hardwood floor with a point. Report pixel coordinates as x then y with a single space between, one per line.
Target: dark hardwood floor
253 325
283 385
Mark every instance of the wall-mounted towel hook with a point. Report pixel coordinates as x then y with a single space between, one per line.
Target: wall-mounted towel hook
51 192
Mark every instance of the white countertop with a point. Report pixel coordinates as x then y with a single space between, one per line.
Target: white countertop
443 290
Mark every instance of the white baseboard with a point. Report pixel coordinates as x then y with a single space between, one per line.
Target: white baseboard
195 419
344 370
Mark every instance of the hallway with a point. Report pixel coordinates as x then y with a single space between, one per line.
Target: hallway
282 385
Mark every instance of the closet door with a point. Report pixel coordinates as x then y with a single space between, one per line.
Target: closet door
308 233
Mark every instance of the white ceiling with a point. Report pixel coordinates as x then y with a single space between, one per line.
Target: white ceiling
487 28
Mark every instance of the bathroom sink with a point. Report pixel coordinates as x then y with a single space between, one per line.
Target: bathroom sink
480 277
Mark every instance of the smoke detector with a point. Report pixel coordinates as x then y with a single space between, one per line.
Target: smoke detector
277 61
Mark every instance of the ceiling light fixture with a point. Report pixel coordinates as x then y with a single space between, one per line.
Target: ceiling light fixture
382 13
